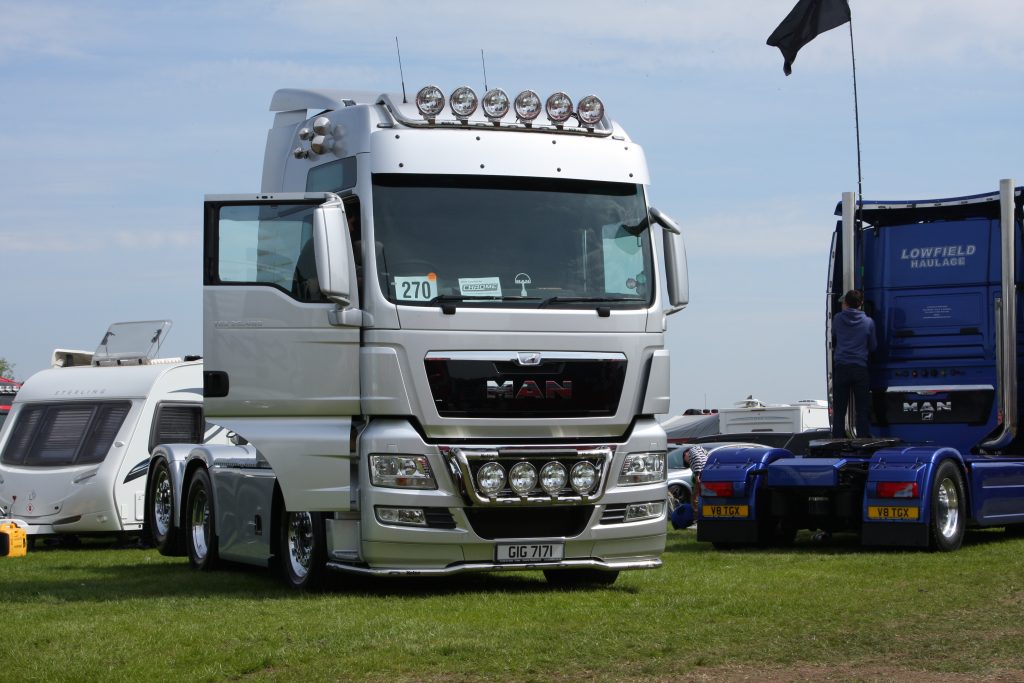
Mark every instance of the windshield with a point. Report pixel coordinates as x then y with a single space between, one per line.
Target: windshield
511 241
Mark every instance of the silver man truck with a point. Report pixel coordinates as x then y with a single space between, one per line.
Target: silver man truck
437 338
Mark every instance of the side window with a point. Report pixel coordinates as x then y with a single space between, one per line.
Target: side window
333 176
268 244
64 434
177 423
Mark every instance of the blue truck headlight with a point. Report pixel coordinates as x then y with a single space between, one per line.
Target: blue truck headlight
642 468
401 472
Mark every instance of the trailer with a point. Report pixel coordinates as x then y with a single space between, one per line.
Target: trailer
8 390
940 279
437 336
75 451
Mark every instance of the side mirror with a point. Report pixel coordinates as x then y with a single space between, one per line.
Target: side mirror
676 271
333 251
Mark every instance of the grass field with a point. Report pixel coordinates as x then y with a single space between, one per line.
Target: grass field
814 611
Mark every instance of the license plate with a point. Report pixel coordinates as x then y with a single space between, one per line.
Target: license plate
725 511
529 552
892 512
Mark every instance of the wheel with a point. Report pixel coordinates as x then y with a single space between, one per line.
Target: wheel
303 549
948 508
573 578
200 536
160 511
677 495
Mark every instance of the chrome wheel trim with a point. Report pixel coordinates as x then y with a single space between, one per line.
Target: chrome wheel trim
200 524
300 543
947 512
163 504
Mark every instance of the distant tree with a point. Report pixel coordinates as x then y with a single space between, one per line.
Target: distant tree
6 369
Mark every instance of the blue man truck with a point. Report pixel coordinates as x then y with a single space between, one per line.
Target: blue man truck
941 280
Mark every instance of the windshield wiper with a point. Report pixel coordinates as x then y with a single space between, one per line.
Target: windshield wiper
590 300
448 301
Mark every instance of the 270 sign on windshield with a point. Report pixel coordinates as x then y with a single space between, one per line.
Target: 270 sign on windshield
416 288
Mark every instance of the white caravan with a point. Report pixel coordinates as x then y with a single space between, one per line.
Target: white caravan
752 415
75 450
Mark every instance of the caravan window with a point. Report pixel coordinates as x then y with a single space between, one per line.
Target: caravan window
177 423
48 435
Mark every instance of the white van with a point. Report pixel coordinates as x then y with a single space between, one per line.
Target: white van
74 451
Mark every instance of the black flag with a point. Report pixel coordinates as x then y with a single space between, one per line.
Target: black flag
808 19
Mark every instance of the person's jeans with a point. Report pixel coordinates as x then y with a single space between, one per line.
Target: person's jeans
847 379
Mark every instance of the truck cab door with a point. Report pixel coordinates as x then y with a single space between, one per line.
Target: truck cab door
281 340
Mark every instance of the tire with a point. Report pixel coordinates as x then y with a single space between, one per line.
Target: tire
580 578
303 553
160 513
948 508
677 495
200 535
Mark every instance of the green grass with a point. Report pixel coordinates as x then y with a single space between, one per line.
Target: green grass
810 612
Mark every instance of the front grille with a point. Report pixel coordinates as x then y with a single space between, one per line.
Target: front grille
614 514
554 384
559 522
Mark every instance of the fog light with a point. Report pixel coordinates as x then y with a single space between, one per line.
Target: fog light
639 511
403 516
553 477
430 101
527 105
559 107
522 478
490 478
583 477
463 102
495 104
590 110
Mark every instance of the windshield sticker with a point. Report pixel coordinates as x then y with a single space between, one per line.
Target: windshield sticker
479 286
523 279
416 287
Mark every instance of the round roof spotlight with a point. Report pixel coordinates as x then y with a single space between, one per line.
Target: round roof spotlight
496 104
559 108
490 478
553 477
522 478
590 110
463 102
527 106
430 101
583 477
305 134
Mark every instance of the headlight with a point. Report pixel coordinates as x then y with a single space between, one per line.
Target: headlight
583 477
495 104
490 478
559 107
463 102
590 110
642 468
522 478
430 101
401 472
527 105
639 511
553 477
402 516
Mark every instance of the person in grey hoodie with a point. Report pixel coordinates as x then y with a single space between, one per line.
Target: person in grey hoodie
853 336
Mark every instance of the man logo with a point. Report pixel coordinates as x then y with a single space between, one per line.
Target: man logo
927 409
529 389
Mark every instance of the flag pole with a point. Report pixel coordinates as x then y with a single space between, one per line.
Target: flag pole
856 122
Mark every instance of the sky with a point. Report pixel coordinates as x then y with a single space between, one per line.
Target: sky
117 117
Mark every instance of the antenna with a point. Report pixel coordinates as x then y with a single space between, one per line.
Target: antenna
484 65
400 72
